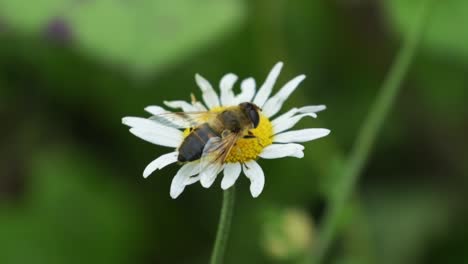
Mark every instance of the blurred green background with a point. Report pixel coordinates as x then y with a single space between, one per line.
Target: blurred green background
71 185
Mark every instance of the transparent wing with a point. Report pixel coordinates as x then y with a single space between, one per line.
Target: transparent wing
217 149
183 119
213 156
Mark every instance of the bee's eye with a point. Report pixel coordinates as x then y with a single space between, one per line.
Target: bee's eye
254 117
251 111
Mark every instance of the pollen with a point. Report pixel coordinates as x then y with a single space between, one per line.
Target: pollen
252 144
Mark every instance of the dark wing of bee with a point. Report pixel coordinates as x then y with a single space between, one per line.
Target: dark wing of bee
183 119
216 150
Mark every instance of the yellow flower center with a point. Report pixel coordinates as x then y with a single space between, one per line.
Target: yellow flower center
246 149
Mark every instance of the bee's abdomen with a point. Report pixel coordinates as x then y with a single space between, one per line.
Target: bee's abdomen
192 146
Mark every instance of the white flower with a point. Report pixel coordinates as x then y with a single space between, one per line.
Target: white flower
273 138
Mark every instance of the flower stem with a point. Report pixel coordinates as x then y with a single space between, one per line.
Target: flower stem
223 226
368 133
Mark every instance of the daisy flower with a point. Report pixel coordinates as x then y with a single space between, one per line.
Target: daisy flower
274 139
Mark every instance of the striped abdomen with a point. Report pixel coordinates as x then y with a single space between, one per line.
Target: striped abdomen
192 147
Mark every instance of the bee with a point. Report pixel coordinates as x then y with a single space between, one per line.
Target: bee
212 134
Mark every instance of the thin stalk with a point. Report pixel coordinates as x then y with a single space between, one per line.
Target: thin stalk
224 226
368 133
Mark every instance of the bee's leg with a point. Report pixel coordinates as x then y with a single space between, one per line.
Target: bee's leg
250 135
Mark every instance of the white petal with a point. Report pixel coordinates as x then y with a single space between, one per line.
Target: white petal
301 135
247 91
285 124
274 104
199 106
265 90
153 132
286 115
179 181
160 162
231 173
276 151
208 93
192 180
158 138
155 129
155 110
208 175
254 172
179 104
225 85
312 108
145 123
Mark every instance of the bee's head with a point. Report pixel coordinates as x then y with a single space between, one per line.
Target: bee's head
252 112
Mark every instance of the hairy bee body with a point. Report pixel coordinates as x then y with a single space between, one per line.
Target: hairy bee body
233 120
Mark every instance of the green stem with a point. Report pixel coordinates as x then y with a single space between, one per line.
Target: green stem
367 135
223 226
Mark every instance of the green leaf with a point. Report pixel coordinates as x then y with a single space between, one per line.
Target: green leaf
30 16
445 34
145 35
403 220
74 211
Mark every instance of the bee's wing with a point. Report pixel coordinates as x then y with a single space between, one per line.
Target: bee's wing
183 119
215 152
